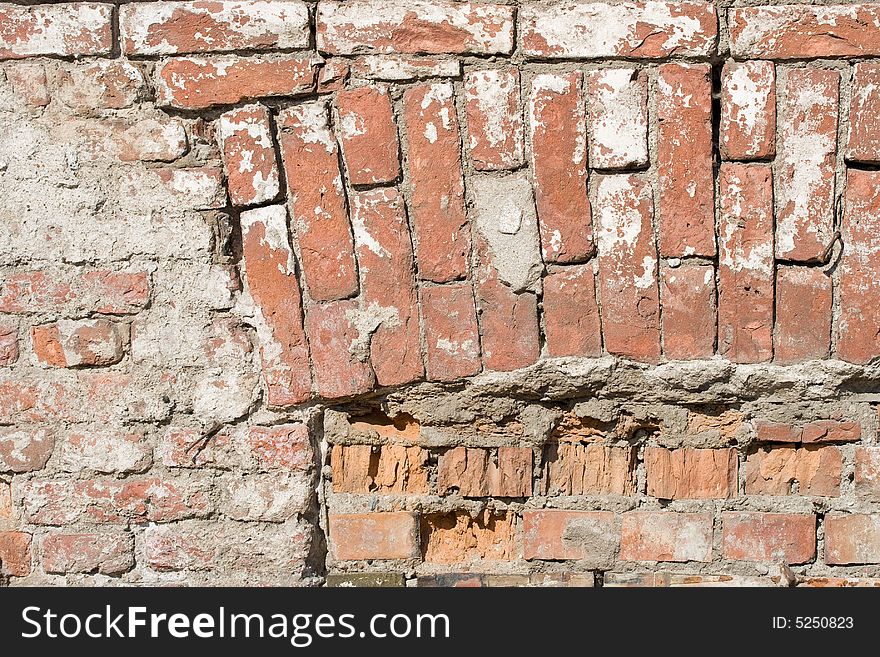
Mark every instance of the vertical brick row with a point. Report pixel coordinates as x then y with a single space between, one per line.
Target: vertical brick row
494 119
368 134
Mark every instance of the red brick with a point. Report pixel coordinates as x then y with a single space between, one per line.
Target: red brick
827 431
588 469
867 473
368 134
141 499
400 68
71 343
168 28
25 449
748 110
646 30
66 29
475 472
666 536
768 537
74 291
863 144
745 267
559 165
156 139
374 536
317 202
414 26
333 338
333 76
852 539
457 537
494 119
283 446
442 235
618 118
389 302
198 188
815 470
112 84
806 162
688 295
15 553
571 315
628 268
105 553
803 31
569 535
803 314
686 473
195 83
103 449
270 271
245 136
379 469
686 203
28 79
858 339
452 336
8 342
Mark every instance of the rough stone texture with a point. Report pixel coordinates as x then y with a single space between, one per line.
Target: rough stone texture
360 293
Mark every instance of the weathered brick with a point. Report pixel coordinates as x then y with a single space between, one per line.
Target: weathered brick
806 162
789 538
748 110
647 30
686 473
157 138
858 339
803 314
389 303
688 296
852 539
558 132
452 336
105 553
863 143
568 535
476 472
15 553
24 449
6 511
68 29
571 315
686 200
270 272
368 134
8 342
102 449
333 76
442 237
718 426
111 84
814 470
401 68
414 26
356 536
618 118
745 266
628 268
195 83
680 580
140 499
198 188
317 201
71 343
838 582
588 469
283 446
379 469
29 81
494 119
867 473
818 431
457 537
804 31
269 497
74 291
666 536
245 136
169 28
333 338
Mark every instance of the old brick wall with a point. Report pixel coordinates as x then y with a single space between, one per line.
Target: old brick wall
429 292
